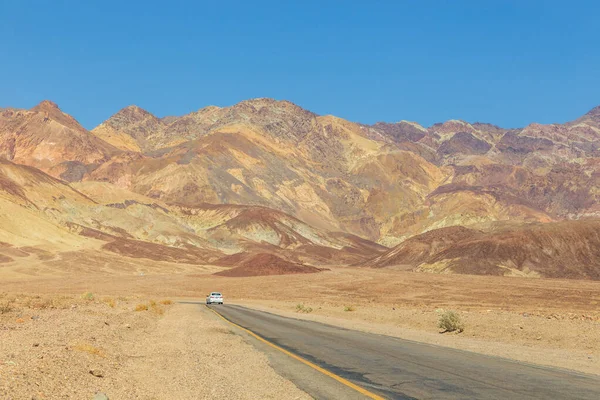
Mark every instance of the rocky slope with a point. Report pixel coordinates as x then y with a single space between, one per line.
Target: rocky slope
376 181
267 264
41 212
323 170
269 175
569 249
48 139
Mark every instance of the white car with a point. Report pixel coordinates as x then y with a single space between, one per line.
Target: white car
214 297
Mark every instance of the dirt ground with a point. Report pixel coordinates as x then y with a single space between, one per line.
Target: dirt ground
74 347
542 321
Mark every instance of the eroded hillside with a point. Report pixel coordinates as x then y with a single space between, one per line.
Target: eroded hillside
268 176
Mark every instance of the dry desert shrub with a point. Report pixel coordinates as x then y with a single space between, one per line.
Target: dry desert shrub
109 301
42 303
37 302
349 308
62 302
166 302
303 309
450 321
158 310
6 307
152 306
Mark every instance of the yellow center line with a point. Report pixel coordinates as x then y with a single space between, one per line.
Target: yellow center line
302 360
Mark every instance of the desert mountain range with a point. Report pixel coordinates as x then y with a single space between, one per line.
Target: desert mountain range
222 185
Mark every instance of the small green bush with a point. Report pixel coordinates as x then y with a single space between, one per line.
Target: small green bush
450 322
349 308
301 308
88 296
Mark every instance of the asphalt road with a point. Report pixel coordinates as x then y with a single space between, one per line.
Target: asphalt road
401 369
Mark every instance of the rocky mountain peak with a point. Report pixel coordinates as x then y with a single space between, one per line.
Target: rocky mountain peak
46 105
130 115
266 105
258 102
51 111
133 110
594 113
452 126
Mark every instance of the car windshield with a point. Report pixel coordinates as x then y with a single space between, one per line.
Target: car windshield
216 294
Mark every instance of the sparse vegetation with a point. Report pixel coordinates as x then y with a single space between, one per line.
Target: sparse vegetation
88 296
152 306
40 303
301 308
109 301
36 302
450 321
157 309
349 308
6 307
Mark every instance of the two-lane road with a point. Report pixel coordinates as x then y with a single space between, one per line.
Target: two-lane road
401 369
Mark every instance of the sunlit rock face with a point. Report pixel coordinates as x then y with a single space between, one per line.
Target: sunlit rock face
274 174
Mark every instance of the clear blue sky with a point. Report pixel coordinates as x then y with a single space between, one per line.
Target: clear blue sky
504 62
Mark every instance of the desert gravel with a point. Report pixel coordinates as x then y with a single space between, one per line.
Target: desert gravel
67 347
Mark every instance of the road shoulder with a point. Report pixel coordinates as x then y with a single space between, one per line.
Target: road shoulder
306 378
584 361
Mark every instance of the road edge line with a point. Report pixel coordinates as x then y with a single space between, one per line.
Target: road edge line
296 357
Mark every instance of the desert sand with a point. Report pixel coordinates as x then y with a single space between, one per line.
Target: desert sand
542 321
74 347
